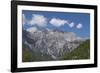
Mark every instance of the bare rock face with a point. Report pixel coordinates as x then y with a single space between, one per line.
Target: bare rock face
53 43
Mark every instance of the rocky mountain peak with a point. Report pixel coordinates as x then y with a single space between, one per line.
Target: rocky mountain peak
50 42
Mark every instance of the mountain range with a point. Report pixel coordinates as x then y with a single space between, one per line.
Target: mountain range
46 44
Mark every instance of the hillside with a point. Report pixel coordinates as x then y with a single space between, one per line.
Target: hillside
81 52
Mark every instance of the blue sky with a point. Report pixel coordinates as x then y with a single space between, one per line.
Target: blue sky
79 23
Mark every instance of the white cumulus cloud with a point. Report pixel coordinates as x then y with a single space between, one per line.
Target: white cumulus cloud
58 22
79 26
32 29
38 20
23 19
71 24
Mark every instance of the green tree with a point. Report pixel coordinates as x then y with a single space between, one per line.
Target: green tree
81 52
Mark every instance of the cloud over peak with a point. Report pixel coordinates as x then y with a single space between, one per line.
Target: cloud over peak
32 29
38 20
79 26
71 24
23 19
58 22
42 21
